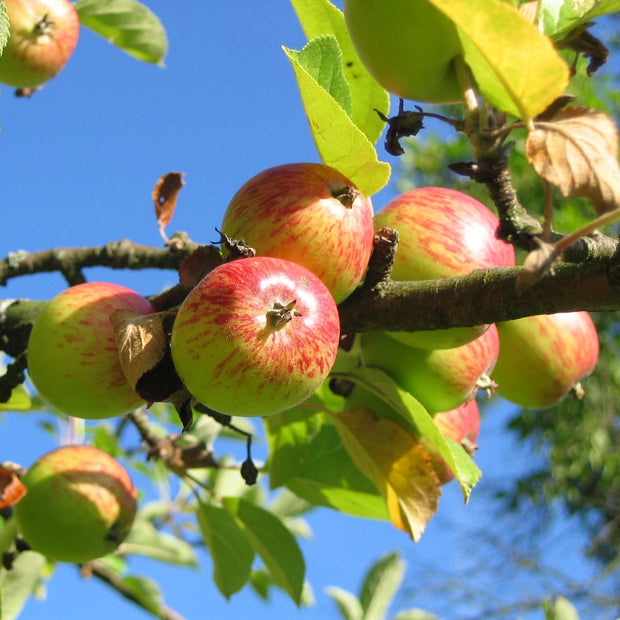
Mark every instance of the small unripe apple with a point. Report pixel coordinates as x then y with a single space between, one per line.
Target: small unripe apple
42 37
462 425
543 357
442 379
310 214
442 233
80 504
255 336
408 46
72 353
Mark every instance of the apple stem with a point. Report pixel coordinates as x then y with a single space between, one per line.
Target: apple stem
281 313
346 195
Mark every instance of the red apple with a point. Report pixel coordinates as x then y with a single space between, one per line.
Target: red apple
543 357
442 233
80 504
462 425
442 379
310 214
72 353
42 37
255 336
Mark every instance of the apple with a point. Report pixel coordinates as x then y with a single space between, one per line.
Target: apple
408 46
255 336
72 354
310 214
442 379
80 504
462 425
543 357
42 37
442 233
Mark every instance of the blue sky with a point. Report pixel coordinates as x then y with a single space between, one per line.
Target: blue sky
78 162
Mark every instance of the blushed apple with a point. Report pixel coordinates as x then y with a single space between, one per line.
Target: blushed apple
408 46
42 37
442 233
255 336
310 214
80 504
543 357
442 379
72 353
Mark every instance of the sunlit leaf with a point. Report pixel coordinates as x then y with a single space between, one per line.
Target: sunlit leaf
4 27
348 604
307 456
516 68
231 551
145 591
381 584
128 24
340 143
273 542
578 151
145 539
556 17
321 17
18 584
406 411
398 465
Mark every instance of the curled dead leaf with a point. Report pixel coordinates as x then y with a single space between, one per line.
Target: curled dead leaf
165 194
577 150
11 488
198 264
396 463
537 263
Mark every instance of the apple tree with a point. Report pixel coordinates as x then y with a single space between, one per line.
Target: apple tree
327 330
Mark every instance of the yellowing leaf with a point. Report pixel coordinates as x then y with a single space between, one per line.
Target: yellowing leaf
516 68
339 141
397 464
141 342
578 151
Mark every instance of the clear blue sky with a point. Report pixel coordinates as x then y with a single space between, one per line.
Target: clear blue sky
78 162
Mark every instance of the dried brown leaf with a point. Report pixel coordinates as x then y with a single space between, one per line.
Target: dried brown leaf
141 342
165 195
11 488
578 152
198 264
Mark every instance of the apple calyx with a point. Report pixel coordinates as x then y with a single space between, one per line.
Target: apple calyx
281 314
346 195
45 26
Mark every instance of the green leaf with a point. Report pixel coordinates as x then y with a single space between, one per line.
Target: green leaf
146 592
404 409
128 24
557 17
321 17
348 604
18 584
415 614
560 609
18 401
515 66
273 542
308 457
4 26
340 143
145 539
380 585
231 551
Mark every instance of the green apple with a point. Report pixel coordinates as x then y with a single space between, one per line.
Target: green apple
442 233
310 214
72 353
255 336
543 357
42 37
80 504
442 379
408 46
